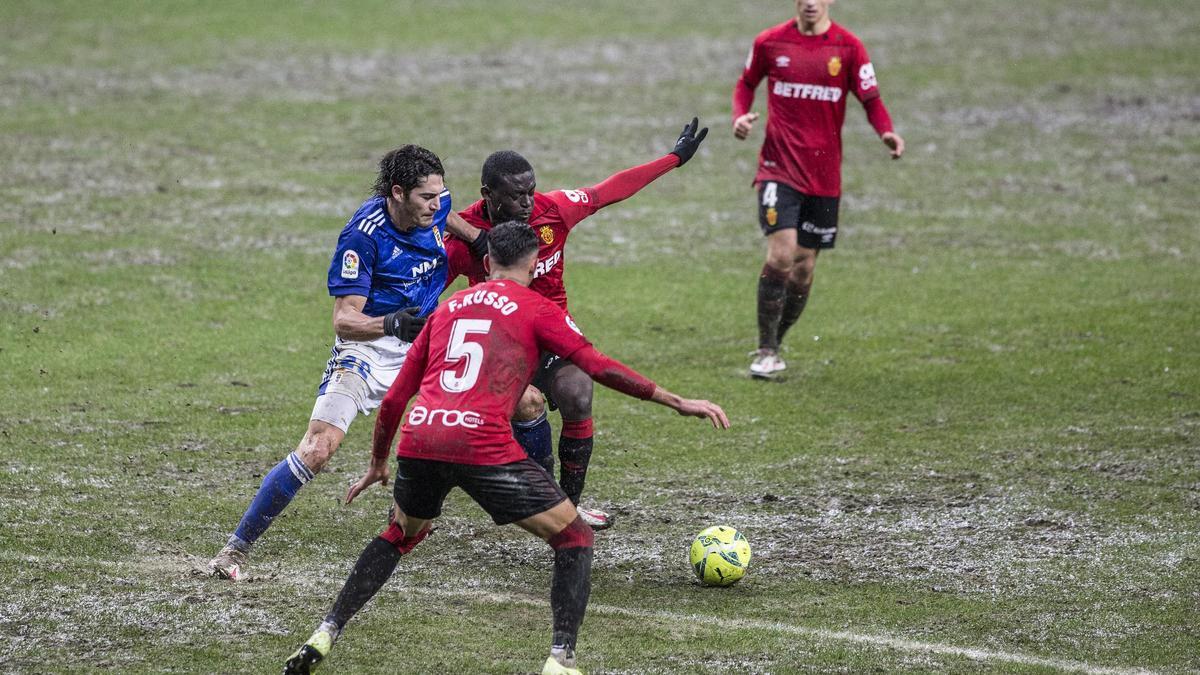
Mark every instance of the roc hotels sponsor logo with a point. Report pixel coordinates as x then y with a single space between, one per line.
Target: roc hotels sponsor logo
448 418
812 92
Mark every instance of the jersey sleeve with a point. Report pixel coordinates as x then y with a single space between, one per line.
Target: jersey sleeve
403 388
862 76
753 73
352 265
555 330
625 184
574 205
461 262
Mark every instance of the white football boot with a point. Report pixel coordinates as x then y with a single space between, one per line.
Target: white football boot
595 518
766 364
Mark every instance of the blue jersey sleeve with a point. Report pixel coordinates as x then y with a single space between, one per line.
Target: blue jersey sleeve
353 264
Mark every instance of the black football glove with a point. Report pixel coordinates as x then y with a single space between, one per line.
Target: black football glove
479 246
689 141
403 323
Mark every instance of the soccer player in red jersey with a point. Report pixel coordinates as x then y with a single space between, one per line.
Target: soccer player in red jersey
509 193
811 65
468 369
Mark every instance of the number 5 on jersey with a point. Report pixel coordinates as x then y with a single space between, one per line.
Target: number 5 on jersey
461 348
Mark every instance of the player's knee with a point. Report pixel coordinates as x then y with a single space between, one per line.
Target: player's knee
319 444
531 406
575 535
574 396
394 535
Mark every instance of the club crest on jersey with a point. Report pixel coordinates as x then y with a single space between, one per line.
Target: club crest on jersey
834 65
437 235
547 234
782 61
350 265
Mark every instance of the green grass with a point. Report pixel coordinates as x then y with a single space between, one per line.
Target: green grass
987 437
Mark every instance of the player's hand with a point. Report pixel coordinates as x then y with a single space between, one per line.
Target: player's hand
707 409
377 473
404 324
689 141
743 124
894 143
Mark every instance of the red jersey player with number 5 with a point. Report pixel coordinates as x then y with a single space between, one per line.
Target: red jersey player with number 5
812 65
468 369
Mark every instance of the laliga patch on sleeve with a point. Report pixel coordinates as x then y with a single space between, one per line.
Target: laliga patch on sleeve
349 265
572 326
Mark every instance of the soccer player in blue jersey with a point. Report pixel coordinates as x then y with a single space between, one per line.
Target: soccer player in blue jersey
386 275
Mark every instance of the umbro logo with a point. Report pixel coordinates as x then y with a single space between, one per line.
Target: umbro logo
782 61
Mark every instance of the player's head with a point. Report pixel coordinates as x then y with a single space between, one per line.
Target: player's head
813 12
411 178
512 252
508 185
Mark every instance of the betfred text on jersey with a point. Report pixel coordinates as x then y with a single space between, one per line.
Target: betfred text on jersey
448 418
813 92
544 266
487 298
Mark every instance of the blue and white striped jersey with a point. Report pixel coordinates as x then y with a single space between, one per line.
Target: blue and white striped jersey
392 269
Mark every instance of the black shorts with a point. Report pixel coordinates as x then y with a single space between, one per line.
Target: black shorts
544 377
508 492
815 219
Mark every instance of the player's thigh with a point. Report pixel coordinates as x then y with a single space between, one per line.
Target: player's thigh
550 522
420 487
511 492
818 222
572 390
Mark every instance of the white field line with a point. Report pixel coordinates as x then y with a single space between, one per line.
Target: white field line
899 644
186 563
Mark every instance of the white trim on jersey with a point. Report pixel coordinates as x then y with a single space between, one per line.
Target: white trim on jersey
371 221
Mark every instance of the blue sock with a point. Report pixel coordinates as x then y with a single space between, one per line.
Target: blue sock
276 492
535 436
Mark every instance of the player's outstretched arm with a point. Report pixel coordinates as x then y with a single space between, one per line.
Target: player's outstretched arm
692 407
616 375
625 184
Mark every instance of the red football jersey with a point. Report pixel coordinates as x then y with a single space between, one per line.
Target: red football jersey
470 365
553 217
808 79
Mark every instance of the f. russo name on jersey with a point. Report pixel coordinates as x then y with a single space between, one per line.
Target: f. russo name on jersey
485 298
812 92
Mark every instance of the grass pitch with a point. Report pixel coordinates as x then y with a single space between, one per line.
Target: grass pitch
984 456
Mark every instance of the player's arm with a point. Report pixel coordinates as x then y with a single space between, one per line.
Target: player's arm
474 237
866 87
391 412
557 333
624 184
743 94
349 322
616 375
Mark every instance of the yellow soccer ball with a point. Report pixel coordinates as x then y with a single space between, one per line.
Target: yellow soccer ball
720 555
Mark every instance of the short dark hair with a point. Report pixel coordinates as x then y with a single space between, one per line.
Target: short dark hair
502 164
407 167
511 242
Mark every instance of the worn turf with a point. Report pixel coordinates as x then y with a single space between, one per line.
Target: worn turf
985 454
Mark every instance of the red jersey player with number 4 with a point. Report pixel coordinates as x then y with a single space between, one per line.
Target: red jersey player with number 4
812 65
509 193
467 369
